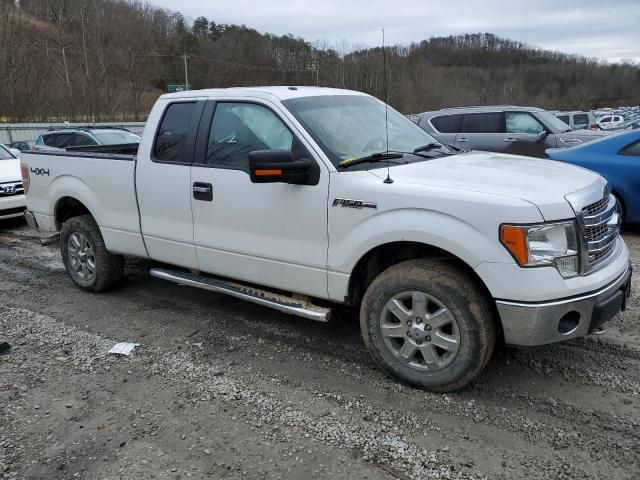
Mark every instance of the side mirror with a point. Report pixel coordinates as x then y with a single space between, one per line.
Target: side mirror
278 166
541 136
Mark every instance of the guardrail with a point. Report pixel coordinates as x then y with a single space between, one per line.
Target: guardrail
14 132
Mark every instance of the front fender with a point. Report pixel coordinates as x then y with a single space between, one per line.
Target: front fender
451 234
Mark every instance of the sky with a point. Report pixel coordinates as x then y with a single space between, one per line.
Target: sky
604 29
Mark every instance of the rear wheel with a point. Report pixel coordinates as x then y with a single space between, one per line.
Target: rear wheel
428 324
85 256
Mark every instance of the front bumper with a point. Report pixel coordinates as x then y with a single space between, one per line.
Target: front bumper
538 323
12 206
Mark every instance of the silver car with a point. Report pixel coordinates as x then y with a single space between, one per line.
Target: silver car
506 128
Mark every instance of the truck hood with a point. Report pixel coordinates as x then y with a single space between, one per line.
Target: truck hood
544 183
10 170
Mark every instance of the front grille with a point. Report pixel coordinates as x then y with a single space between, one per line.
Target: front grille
8 189
596 208
600 230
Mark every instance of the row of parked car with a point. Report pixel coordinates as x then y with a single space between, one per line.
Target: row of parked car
539 133
61 138
627 118
621 118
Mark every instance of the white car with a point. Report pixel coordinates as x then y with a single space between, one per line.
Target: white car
305 199
12 199
610 122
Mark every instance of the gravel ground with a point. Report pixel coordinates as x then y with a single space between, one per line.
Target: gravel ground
219 388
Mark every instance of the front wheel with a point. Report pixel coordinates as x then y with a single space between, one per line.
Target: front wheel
85 256
427 323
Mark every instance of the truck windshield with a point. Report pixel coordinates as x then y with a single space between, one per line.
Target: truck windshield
116 137
349 127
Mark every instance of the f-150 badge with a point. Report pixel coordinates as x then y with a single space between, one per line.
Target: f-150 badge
349 203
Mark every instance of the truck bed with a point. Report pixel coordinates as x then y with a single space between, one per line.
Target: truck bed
102 181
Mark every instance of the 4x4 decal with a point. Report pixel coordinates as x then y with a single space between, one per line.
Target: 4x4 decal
39 171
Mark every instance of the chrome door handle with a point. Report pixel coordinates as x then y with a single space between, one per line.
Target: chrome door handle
203 191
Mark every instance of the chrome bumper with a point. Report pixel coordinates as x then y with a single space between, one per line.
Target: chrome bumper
530 324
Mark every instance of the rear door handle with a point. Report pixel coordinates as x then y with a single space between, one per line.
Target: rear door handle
510 139
463 139
203 191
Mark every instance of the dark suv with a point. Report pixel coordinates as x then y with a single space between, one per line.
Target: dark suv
508 129
58 138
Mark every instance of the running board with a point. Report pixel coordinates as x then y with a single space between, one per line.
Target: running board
265 298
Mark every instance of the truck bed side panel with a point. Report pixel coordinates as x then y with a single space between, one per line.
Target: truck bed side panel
103 184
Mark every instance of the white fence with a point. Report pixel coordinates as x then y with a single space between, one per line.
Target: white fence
13 132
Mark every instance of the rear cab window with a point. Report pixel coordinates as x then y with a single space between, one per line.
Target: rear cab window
171 139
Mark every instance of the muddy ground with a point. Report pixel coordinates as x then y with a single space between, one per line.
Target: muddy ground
219 388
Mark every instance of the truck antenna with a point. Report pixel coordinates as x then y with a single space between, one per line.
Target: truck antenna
386 106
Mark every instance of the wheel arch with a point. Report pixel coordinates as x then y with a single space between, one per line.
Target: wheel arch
67 207
385 255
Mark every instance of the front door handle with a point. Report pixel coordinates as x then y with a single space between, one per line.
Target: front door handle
510 139
203 191
463 139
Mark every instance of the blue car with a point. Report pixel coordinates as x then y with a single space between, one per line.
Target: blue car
615 157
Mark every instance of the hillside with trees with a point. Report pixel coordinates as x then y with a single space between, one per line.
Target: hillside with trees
110 59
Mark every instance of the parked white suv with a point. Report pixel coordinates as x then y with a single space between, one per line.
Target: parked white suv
12 199
302 199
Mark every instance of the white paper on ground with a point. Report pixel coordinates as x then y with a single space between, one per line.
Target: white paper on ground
123 348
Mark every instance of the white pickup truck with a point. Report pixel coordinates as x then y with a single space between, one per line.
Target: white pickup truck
307 199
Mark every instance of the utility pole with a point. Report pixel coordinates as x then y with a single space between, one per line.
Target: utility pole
186 72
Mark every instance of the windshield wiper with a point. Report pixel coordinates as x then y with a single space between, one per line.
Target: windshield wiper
374 157
427 147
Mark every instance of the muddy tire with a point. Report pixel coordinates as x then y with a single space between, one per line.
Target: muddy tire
428 324
85 256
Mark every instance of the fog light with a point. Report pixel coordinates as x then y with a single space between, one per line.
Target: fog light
569 322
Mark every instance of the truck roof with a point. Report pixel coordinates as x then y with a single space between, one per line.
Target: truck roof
284 92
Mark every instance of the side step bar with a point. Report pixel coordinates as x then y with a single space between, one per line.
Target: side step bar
265 298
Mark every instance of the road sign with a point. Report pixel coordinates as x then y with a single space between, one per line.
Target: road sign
178 87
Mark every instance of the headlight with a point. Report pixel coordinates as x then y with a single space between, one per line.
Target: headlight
545 244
